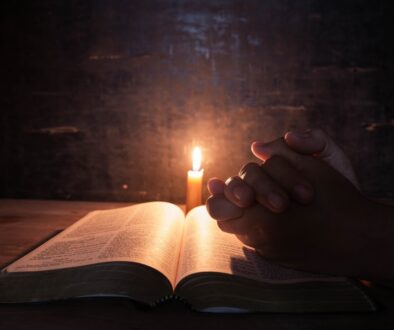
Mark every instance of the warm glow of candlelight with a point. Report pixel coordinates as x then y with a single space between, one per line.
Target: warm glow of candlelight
196 158
194 181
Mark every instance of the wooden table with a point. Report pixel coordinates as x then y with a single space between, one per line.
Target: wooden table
23 223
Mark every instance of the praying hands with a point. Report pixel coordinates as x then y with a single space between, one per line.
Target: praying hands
302 208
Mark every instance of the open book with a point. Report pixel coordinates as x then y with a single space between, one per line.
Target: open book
151 252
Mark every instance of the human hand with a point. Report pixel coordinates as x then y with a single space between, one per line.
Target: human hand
313 142
323 236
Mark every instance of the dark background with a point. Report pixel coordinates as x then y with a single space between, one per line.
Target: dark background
103 100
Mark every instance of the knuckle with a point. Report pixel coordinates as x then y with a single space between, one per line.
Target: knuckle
260 181
257 181
261 187
274 161
232 179
248 168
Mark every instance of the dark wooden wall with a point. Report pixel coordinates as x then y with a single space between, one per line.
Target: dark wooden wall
103 99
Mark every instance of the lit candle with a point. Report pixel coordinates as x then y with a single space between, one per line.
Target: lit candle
194 181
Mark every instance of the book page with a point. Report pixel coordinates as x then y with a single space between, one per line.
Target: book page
148 233
206 248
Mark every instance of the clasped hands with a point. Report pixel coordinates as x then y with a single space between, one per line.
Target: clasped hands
301 207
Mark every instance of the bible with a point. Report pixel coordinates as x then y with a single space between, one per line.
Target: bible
151 252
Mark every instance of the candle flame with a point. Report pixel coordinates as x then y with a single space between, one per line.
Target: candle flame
196 158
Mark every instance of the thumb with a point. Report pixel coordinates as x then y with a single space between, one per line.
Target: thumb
309 142
319 143
278 147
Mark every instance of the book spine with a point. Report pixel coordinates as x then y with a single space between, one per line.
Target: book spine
170 297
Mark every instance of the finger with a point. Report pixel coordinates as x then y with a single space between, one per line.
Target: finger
277 147
256 221
267 191
244 225
216 186
239 192
319 143
220 208
291 179
306 142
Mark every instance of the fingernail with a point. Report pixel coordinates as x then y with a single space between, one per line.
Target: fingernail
238 193
276 201
259 147
303 192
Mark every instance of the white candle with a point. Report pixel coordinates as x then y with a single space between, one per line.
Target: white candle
194 181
